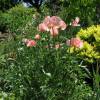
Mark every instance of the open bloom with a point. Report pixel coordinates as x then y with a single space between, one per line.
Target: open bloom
62 25
75 22
54 31
37 37
76 42
29 43
42 27
52 24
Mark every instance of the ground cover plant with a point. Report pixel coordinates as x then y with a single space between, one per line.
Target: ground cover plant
48 57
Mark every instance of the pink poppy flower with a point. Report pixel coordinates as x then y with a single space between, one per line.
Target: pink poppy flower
42 27
31 43
76 42
62 25
54 31
77 19
37 37
75 22
46 20
52 24
55 21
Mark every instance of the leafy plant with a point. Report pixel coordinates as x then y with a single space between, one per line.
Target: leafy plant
16 19
42 69
91 47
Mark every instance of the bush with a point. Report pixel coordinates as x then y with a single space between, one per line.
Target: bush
90 51
19 18
16 19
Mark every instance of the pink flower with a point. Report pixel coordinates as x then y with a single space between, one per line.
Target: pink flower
42 27
77 19
31 43
54 31
76 42
54 21
52 24
62 25
75 22
46 21
37 37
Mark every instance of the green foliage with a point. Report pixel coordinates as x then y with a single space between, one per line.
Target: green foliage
3 23
16 19
5 4
68 9
6 96
39 73
90 34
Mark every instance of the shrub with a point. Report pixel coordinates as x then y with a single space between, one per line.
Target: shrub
90 51
19 18
16 19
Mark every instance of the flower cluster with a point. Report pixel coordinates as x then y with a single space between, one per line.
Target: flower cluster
52 24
